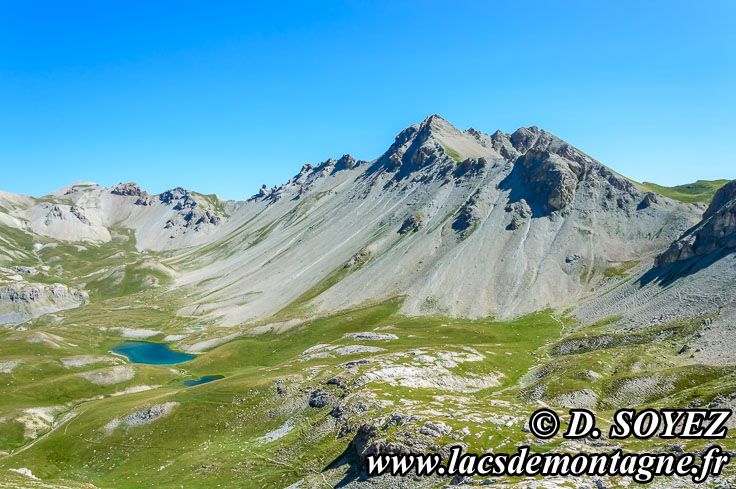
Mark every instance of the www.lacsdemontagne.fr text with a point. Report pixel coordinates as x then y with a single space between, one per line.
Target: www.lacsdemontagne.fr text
642 467
705 424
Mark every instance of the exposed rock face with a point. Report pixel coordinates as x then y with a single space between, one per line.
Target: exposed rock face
19 302
305 180
79 214
468 217
179 198
127 189
190 214
553 179
194 219
357 259
346 162
131 189
54 214
320 398
552 172
141 417
411 224
717 230
649 199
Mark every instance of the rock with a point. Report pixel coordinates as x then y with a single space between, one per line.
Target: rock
717 230
191 215
435 429
353 349
127 189
320 398
368 335
19 302
468 218
79 214
397 419
338 380
649 199
26 270
459 480
144 200
411 224
179 197
54 214
431 377
9 366
141 417
346 162
357 259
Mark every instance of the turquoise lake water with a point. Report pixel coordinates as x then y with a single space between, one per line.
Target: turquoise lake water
151 353
202 380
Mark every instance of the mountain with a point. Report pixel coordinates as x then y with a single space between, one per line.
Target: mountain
435 296
458 222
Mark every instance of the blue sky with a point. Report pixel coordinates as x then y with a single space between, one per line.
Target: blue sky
222 97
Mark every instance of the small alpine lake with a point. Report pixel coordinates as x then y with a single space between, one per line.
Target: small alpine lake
151 353
202 380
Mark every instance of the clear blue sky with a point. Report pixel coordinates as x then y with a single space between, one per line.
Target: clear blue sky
222 97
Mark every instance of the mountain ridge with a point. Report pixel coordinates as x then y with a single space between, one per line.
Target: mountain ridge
436 219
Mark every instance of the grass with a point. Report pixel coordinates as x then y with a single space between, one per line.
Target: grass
233 412
701 191
625 368
452 153
620 270
214 201
223 447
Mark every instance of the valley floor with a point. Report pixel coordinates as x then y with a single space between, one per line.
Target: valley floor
298 408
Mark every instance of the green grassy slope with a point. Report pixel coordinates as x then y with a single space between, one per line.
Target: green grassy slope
701 191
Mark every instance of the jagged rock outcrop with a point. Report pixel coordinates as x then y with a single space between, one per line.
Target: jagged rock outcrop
411 224
194 218
716 231
179 198
79 214
127 189
305 180
22 301
190 214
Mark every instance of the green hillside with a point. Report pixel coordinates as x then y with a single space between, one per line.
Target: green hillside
701 191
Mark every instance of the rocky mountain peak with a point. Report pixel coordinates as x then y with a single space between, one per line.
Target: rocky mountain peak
544 169
434 143
435 124
524 138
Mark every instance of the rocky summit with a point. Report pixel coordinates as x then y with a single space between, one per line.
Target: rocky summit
435 296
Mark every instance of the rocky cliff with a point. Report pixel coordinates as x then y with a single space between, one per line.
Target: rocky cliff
716 232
